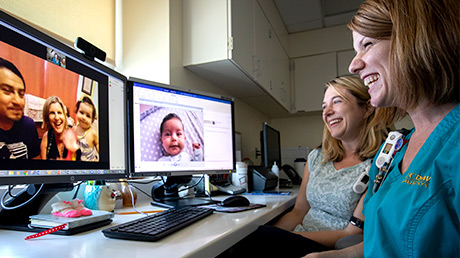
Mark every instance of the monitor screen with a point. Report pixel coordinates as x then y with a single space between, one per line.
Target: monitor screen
179 132
270 145
62 116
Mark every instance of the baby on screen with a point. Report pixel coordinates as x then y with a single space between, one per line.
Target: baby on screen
172 137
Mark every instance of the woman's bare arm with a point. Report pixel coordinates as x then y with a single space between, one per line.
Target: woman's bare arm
329 238
291 219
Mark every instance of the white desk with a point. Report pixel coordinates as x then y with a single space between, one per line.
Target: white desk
205 238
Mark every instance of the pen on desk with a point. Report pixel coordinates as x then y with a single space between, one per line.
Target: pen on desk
135 212
46 232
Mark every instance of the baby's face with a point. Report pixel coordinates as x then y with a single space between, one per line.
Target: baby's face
173 137
85 115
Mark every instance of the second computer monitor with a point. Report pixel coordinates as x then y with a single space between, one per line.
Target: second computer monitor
177 132
270 145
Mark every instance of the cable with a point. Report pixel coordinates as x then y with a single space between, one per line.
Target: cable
132 200
134 182
145 182
206 192
2 202
140 190
188 187
209 195
9 191
76 191
185 188
130 184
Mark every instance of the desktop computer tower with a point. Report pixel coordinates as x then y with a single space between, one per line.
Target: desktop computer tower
261 179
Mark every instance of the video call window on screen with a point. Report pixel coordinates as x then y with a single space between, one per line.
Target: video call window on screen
175 130
65 97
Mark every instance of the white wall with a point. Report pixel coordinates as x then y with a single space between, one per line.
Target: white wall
248 121
145 40
91 20
300 131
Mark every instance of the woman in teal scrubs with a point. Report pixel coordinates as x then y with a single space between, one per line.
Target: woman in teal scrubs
408 54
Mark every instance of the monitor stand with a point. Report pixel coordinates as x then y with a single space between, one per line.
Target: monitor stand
18 219
165 194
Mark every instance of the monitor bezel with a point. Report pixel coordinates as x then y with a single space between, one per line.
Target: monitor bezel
45 39
133 174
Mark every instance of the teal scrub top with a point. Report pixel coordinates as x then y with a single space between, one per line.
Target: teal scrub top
416 214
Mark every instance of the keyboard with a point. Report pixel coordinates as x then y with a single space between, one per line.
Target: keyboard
154 227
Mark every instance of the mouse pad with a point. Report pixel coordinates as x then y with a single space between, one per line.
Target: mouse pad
220 208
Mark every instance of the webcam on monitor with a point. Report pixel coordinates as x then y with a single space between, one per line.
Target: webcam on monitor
89 50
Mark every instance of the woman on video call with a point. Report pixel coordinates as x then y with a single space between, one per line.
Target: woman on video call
59 142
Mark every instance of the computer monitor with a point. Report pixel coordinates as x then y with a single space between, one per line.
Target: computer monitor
177 133
270 146
39 124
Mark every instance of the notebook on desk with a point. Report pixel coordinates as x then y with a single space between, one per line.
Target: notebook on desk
49 220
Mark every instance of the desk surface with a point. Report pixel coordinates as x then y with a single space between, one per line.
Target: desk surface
205 238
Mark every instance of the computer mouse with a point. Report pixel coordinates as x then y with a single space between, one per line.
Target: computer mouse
235 201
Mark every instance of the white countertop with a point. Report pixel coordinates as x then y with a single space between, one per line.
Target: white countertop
205 238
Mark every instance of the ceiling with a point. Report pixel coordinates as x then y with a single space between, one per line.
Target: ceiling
304 15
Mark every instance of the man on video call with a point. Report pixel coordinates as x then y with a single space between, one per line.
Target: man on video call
18 134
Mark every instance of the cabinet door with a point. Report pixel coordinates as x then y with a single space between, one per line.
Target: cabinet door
271 61
242 33
280 75
263 35
311 73
205 36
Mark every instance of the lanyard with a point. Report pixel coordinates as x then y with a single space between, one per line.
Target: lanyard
394 142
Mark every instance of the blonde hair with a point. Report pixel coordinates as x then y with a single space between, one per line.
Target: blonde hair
425 49
46 110
375 128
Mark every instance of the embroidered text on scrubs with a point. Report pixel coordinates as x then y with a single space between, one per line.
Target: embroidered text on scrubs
414 179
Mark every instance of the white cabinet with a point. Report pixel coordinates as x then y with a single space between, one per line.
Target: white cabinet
231 44
241 48
343 61
271 62
263 44
311 73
